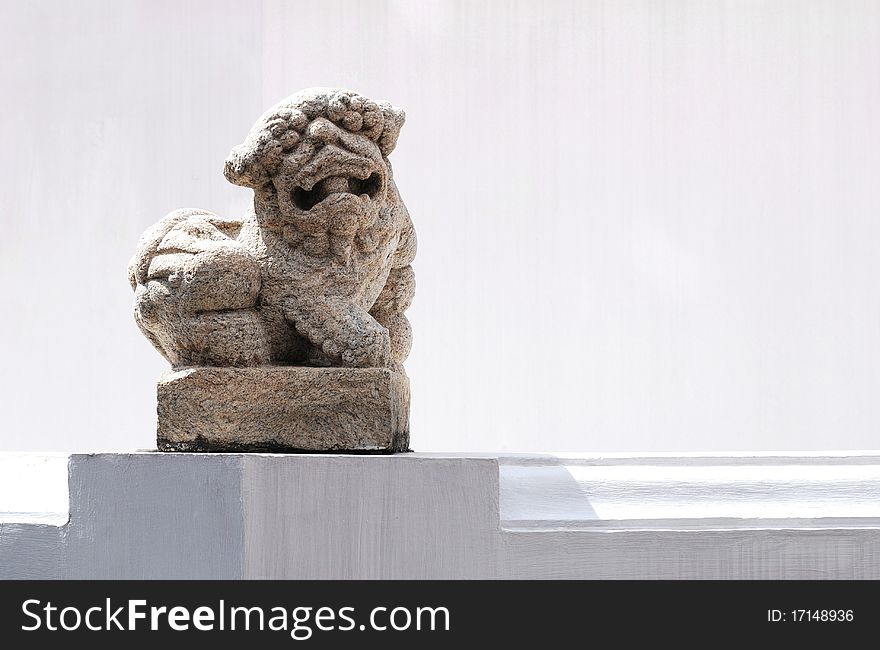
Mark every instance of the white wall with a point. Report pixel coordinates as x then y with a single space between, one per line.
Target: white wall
643 225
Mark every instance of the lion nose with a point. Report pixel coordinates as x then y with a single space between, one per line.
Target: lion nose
323 130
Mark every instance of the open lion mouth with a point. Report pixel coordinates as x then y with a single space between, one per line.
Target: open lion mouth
306 199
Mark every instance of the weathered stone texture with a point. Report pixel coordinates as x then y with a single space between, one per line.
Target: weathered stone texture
316 274
284 408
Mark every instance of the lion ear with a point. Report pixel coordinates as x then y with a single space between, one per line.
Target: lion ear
251 163
393 119
242 167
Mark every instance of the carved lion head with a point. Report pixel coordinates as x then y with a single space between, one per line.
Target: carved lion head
321 157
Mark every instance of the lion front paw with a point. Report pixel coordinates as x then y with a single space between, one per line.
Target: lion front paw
344 332
369 350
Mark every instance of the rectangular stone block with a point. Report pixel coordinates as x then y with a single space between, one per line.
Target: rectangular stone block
283 409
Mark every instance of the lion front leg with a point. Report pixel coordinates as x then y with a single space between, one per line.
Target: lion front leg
389 308
345 333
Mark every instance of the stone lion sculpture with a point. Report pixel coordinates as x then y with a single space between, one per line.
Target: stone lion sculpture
316 273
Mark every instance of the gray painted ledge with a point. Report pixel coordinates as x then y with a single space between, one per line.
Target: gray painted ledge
425 516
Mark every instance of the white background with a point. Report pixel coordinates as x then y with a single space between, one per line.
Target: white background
643 225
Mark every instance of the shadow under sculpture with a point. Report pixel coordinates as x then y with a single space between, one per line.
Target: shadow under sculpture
285 329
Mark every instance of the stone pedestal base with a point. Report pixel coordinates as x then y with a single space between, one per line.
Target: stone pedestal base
284 409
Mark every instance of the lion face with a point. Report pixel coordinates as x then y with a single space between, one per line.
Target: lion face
333 182
320 159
